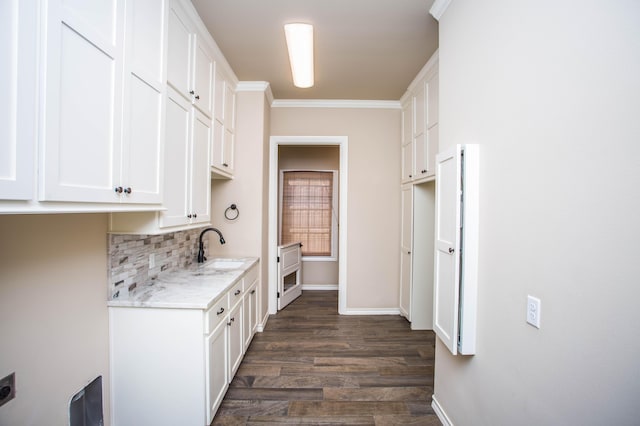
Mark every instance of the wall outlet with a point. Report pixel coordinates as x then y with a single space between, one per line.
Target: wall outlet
152 261
7 388
533 311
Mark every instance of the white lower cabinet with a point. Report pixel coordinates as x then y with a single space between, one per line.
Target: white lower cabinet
173 366
217 361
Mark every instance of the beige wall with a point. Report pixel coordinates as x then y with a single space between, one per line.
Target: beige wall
244 236
373 194
53 313
313 158
551 94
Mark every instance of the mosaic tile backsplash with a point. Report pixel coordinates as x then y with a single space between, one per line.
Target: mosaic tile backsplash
129 258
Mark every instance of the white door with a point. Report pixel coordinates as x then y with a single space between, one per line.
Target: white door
289 274
447 242
456 248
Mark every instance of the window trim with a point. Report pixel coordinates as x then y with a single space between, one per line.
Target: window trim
333 257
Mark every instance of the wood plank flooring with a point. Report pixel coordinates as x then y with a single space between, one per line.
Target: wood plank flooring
313 367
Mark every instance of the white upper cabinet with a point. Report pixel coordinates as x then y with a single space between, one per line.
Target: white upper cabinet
143 131
418 154
18 78
83 98
222 156
187 182
191 65
102 136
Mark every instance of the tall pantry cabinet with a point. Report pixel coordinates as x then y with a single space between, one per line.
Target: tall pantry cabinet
419 146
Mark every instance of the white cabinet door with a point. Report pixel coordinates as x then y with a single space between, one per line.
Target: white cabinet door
405 251
18 78
236 344
179 51
200 173
222 156
456 244
217 369
83 98
203 80
143 136
177 152
407 141
432 99
250 319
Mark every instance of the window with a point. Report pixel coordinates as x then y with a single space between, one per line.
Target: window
307 212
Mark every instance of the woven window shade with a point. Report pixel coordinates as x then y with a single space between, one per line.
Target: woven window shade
306 211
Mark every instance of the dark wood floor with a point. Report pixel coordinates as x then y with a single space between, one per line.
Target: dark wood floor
313 367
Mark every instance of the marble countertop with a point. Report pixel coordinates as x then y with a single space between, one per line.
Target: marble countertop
196 287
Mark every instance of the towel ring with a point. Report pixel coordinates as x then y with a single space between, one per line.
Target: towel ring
230 216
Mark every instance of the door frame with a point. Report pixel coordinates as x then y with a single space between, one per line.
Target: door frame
274 144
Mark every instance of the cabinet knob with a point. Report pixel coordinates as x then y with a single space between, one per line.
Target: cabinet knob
451 250
253 291
237 292
191 92
423 171
220 311
195 215
225 164
410 176
127 190
118 189
189 216
197 96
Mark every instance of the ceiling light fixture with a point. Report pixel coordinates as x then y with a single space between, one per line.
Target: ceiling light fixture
300 45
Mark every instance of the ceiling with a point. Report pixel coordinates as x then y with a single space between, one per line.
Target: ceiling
364 49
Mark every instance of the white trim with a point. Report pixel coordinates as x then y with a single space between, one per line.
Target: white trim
262 324
319 287
442 415
371 311
256 86
334 103
438 8
274 143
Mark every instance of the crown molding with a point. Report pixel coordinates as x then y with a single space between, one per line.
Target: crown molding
438 8
256 86
334 103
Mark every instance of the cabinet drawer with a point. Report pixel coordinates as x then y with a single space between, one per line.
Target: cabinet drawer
250 278
216 314
235 294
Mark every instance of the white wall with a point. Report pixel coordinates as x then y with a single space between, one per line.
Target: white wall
551 92
245 236
53 313
373 267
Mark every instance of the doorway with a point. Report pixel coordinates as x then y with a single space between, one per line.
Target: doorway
276 143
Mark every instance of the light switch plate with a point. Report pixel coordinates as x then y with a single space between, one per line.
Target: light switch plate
533 311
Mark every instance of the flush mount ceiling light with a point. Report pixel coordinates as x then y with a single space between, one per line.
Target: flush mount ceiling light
300 45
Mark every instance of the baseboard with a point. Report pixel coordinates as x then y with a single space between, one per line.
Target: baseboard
374 311
262 324
319 287
444 419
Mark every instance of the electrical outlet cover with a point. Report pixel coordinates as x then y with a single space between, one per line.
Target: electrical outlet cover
533 311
